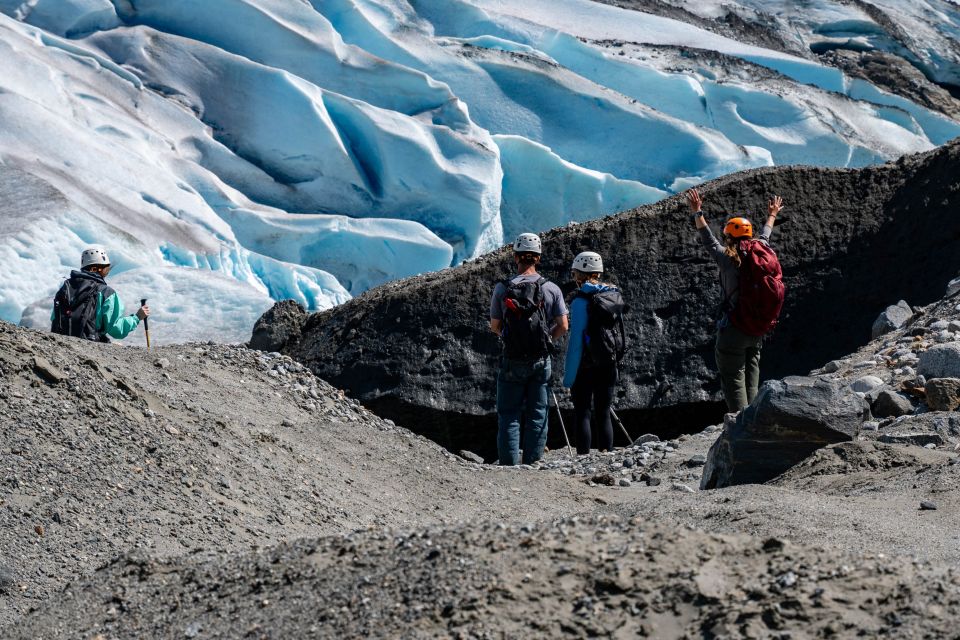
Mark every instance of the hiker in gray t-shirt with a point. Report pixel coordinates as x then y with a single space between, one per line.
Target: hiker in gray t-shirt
528 313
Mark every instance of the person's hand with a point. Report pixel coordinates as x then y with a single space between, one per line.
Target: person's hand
694 200
143 312
774 206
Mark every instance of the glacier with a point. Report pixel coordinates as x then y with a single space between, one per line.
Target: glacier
234 152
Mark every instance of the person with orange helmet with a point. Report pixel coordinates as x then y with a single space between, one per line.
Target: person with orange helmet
737 352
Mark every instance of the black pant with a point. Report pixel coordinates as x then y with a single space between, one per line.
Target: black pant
594 386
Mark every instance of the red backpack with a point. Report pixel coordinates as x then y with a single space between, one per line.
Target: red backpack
761 289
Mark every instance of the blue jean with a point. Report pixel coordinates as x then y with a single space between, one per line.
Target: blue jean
522 389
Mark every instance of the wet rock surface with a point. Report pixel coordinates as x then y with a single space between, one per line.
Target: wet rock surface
419 351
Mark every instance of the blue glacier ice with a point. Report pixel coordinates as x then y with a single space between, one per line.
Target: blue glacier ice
252 150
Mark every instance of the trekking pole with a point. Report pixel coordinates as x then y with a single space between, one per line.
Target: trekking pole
563 428
146 323
616 418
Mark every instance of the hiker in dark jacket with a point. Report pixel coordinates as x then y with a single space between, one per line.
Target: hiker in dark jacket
527 312
591 384
86 307
737 353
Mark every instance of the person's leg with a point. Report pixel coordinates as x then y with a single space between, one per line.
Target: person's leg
510 394
535 429
603 389
752 373
581 392
731 357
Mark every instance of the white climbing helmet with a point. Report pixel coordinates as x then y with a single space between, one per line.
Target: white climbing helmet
527 243
93 255
588 262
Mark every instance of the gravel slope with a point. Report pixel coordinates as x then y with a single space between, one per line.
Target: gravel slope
203 447
209 491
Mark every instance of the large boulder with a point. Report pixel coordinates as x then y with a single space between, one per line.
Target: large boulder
892 318
940 361
279 327
943 394
789 420
891 404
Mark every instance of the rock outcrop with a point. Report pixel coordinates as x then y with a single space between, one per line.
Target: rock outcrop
789 420
281 325
418 350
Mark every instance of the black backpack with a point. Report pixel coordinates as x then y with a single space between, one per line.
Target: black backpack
526 331
75 307
605 339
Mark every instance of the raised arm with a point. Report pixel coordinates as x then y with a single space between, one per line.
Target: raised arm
707 239
774 206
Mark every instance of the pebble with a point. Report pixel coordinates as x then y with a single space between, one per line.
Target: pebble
833 366
624 482
928 505
677 486
787 580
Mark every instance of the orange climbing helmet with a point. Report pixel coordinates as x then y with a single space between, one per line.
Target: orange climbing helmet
738 228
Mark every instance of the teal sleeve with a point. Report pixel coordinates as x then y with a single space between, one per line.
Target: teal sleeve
113 321
578 324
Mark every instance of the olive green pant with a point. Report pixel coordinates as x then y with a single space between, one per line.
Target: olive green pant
738 359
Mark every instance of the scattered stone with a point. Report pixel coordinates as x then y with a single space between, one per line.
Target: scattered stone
162 363
940 361
605 479
47 371
928 505
39 530
624 482
953 287
651 481
787 580
7 579
677 486
789 420
890 404
915 439
943 394
645 438
470 455
833 366
697 461
891 319
866 384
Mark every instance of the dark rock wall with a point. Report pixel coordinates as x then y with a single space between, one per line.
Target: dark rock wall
851 242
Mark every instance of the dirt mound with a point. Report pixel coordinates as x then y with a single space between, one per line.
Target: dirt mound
107 449
589 577
418 350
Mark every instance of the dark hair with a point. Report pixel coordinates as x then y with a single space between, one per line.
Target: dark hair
526 257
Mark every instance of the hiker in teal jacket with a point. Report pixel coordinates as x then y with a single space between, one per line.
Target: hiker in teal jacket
86 307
